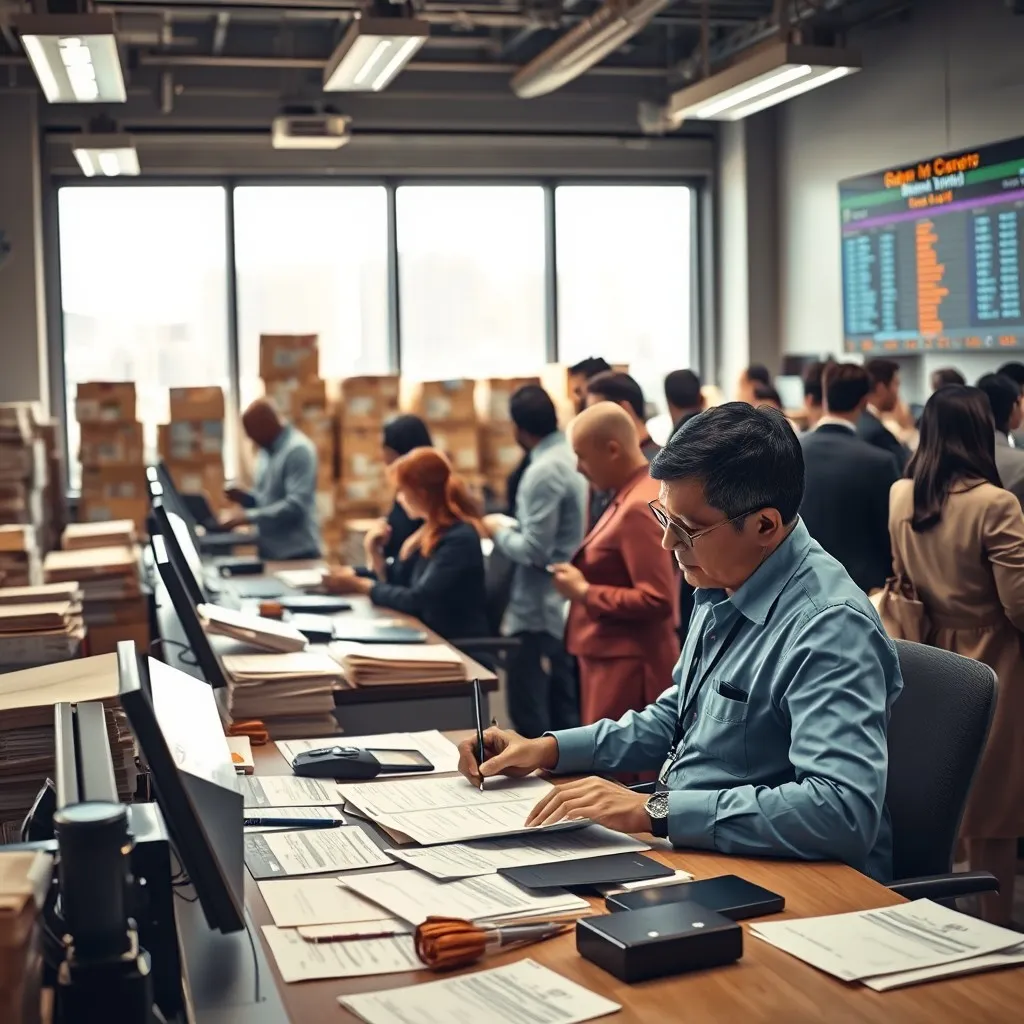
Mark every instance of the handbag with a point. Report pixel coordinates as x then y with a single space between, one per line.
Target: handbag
901 609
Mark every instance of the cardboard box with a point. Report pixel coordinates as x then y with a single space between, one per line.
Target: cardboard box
289 355
369 401
361 456
191 441
25 464
104 639
102 510
105 482
105 401
299 399
492 396
105 444
441 401
197 403
199 478
500 453
461 443
365 492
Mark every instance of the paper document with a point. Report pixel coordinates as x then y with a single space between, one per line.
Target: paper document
1008 958
241 754
414 897
291 812
301 579
281 790
374 929
868 943
437 749
299 960
295 902
519 993
485 856
311 851
432 811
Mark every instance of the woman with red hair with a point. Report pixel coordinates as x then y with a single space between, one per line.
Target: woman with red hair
438 575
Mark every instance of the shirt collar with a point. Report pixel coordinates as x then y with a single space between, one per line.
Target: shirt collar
835 421
275 445
754 599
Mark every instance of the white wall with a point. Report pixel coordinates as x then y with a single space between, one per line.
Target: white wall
23 364
893 111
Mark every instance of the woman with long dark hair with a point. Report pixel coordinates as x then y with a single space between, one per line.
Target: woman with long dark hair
438 575
959 537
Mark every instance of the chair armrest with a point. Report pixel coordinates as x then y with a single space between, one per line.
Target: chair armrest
946 887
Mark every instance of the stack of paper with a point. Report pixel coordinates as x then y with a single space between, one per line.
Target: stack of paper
266 634
115 533
27 736
436 748
293 694
40 633
105 574
432 811
24 881
395 664
895 946
19 556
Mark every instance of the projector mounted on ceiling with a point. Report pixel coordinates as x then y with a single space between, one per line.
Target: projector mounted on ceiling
310 131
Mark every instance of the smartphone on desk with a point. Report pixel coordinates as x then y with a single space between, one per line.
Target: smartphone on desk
728 895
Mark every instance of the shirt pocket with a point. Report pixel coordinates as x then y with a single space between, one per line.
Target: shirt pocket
722 730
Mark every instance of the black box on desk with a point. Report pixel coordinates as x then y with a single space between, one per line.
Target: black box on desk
637 945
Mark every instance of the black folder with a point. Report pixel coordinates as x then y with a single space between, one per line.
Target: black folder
613 869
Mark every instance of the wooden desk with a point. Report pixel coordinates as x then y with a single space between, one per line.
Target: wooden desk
362 710
766 985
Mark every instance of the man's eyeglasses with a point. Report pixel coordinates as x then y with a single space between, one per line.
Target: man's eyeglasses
684 536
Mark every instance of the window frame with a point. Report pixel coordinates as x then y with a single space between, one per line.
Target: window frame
702 257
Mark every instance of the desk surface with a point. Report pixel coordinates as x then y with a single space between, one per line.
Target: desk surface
766 985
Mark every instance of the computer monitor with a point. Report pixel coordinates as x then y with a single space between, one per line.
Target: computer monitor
185 607
180 550
176 725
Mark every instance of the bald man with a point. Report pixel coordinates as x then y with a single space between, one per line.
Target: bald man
283 501
620 583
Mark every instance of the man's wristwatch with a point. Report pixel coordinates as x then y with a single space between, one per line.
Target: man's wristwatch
657 811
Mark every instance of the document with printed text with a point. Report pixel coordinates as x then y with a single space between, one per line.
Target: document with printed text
519 993
300 960
295 902
282 790
437 749
311 851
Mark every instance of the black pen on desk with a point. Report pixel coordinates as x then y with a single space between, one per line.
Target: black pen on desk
478 711
292 822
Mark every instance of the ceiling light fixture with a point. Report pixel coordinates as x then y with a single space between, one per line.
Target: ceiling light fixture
106 154
74 57
763 79
372 53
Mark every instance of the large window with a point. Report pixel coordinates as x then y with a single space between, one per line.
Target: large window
313 260
471 280
144 293
623 263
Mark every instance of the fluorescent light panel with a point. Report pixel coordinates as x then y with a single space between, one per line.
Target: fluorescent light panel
767 77
372 53
74 57
106 155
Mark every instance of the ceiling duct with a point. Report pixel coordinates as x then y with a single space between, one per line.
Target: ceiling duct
585 45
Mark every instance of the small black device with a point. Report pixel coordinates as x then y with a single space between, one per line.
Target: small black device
728 895
659 941
238 565
317 629
356 763
613 869
315 604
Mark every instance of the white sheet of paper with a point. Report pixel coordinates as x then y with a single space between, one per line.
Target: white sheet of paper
993 961
241 753
414 897
485 856
646 883
356 929
437 749
285 790
452 810
892 940
519 993
291 812
295 902
312 851
299 960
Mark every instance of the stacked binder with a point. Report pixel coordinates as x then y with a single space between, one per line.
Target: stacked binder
40 628
19 556
398 664
105 574
116 533
267 634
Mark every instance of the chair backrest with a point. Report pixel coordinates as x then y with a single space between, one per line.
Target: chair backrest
937 732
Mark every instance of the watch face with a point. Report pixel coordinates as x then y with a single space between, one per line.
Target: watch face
657 806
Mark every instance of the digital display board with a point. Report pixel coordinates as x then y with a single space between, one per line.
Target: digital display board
933 252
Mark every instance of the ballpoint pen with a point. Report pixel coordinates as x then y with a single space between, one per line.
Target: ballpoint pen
293 822
478 711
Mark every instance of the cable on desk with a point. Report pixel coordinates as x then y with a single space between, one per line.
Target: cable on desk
184 649
257 995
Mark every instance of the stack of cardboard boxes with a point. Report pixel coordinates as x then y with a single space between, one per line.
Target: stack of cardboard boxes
20 562
23 471
192 444
499 451
366 404
111 454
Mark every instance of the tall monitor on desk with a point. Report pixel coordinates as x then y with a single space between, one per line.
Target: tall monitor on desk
176 724
180 550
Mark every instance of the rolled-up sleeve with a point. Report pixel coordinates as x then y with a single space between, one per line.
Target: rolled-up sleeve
833 691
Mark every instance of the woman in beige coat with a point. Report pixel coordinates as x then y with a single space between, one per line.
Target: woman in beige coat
959 537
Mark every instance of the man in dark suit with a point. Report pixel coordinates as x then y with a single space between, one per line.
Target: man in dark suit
846 493
883 397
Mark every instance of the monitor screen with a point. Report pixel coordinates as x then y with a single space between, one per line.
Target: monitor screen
181 550
932 254
174 720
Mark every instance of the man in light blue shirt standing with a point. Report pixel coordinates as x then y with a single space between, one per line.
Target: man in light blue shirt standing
548 528
283 501
771 740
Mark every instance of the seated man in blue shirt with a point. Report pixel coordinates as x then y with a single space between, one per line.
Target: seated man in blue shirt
283 501
772 739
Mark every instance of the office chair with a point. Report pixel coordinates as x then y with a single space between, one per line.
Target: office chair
937 732
495 648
